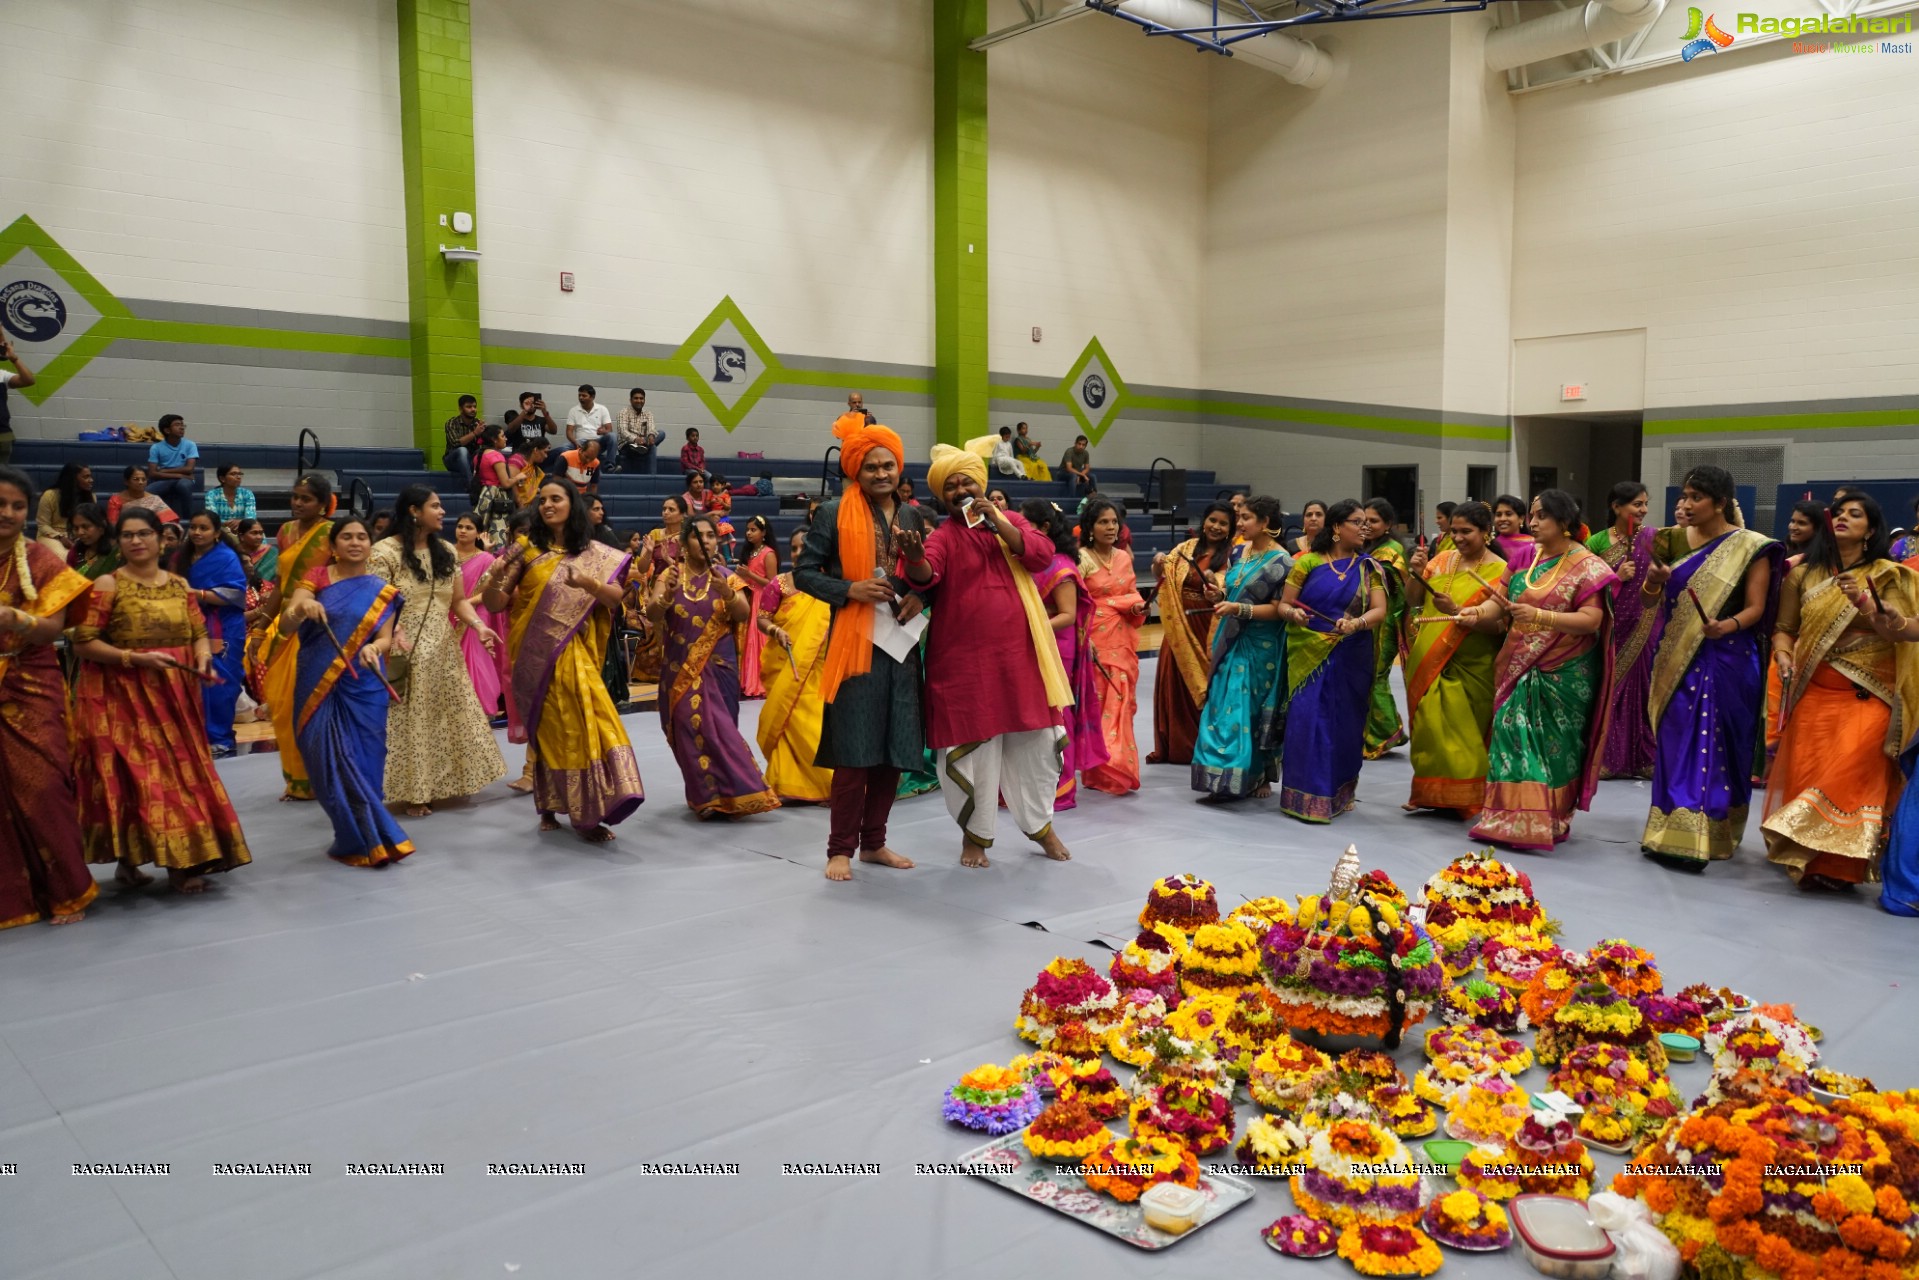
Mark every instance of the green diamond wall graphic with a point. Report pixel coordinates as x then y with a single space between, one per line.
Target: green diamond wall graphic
730 366
1095 391
52 307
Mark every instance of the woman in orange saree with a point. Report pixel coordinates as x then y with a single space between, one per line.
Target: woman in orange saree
1118 611
1186 634
1844 655
303 548
1450 669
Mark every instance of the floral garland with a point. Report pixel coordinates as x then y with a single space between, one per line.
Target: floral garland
993 1099
1508 1055
1066 1131
1189 1112
1545 1157
1067 990
1270 1141
1285 1074
1104 1097
1301 1236
1125 1167
1342 1183
1466 1219
1388 1250
1480 1003
1749 1211
1490 1112
1482 894
1150 962
1223 959
1186 902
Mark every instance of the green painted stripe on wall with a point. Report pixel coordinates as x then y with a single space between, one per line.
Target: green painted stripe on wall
133 329
1782 422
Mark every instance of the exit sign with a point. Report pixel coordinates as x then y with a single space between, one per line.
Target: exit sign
1572 391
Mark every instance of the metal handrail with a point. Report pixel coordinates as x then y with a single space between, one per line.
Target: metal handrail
826 471
359 498
300 464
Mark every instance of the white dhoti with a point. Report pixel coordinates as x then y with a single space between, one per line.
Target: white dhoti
1019 768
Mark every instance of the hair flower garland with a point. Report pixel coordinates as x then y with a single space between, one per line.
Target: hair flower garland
1301 1236
1125 1167
1389 1250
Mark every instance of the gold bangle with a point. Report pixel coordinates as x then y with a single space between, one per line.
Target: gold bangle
126 657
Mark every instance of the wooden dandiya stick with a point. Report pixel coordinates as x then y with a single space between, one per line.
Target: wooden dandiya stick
391 692
1699 608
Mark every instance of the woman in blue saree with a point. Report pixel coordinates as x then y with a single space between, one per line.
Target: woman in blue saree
217 581
1236 751
1709 678
345 616
1334 603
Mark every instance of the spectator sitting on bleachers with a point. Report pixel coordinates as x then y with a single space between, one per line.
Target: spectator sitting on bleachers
719 496
173 465
1003 460
526 470
639 439
998 498
696 496
462 431
904 493
1077 463
73 490
1085 504
1026 449
94 550
534 419
135 495
228 502
582 465
692 457
589 420
382 523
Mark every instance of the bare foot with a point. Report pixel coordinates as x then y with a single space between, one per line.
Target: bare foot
522 785
972 855
75 918
131 876
184 883
419 811
287 797
596 835
1410 807
1264 791
885 857
548 822
839 867
1050 845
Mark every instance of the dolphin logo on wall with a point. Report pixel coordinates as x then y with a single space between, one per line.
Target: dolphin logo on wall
1093 391
31 311
728 361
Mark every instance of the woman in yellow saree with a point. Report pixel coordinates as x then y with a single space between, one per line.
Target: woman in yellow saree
561 588
795 625
1384 729
304 547
1450 669
1850 674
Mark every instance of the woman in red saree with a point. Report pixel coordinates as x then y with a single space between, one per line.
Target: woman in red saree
43 872
1118 611
1069 611
758 566
1186 633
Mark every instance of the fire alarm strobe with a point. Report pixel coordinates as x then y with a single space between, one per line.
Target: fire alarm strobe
566 282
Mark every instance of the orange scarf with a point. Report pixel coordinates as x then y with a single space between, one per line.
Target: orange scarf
850 650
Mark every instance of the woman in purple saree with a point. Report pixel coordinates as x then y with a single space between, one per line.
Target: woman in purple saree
1627 548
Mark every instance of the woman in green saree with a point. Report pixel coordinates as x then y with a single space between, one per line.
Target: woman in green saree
1384 729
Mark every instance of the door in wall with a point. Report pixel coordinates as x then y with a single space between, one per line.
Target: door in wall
1399 486
1482 484
1538 478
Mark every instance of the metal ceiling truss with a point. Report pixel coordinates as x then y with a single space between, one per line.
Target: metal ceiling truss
1235 20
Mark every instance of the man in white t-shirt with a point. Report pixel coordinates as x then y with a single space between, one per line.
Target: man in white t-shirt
589 421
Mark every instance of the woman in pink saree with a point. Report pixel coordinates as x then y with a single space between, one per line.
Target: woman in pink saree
1069 607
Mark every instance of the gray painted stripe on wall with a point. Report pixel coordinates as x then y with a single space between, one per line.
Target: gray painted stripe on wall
832 364
1770 409
251 318
256 357
584 346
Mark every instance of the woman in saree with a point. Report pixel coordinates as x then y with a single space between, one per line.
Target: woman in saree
1236 750
795 626
1312 518
526 471
1118 611
494 498
1186 633
1626 545
95 549
1708 677
485 665
1449 669
439 746
1334 604
1844 648
698 606
1384 729
1807 518
218 583
759 565
561 587
303 545
1510 538
43 871
53 523
345 617
1553 683
134 494
659 551
147 787
1069 611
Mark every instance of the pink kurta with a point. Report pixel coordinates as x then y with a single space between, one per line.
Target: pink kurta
982 676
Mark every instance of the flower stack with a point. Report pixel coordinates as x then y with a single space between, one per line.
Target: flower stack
1625 968
1286 1073
1100 1093
1466 1219
1458 948
1597 1015
1508 1055
1301 1236
1189 1111
1342 1182
1483 895
1623 1097
1479 1002
1766 1046
1066 1131
1552 985
1544 1157
1352 969
1675 1014
1270 1141
1261 914
1067 990
1514 958
1773 1186
1184 902
993 1099
1388 1250
1255 1020
1488 1112
1446 1079
1125 1167
1140 1014
1150 962
1401 1110
1222 959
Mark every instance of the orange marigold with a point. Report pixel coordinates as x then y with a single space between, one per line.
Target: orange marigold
1739 1238
1892 1206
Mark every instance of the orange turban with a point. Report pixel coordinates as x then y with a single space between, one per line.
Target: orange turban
849 652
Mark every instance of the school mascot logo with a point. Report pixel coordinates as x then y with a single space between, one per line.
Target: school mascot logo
728 361
1702 36
1093 391
31 311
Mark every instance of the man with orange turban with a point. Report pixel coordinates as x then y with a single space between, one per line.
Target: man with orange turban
871 730
994 680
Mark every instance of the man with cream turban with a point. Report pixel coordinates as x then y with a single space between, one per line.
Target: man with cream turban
994 680
870 732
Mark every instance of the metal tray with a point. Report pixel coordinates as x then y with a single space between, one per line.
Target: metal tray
1060 1188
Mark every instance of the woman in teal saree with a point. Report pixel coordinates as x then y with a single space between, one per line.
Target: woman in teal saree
1236 752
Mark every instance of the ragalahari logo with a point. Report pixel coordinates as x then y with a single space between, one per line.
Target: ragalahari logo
1702 36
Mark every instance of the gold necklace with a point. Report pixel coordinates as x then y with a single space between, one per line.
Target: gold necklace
1337 571
686 587
1564 559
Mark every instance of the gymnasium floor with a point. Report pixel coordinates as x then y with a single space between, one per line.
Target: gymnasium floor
700 993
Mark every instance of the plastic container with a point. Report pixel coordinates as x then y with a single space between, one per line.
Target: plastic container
1447 1153
1560 1237
1171 1208
1679 1048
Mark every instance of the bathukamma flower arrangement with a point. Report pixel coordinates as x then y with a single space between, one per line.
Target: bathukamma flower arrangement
1514 958
1185 902
1302 1236
1103 1096
1356 968
1465 1219
1483 895
1545 1157
1270 1142
1187 1111
1488 1112
1357 1172
1066 1131
1621 1094
1285 1074
1481 1003
1150 962
1222 959
993 1099
1388 1250
1509 1055
1125 1167
1067 990
1140 1014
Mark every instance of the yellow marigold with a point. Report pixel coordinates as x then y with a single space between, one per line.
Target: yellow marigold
1852 1192
1461 1206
